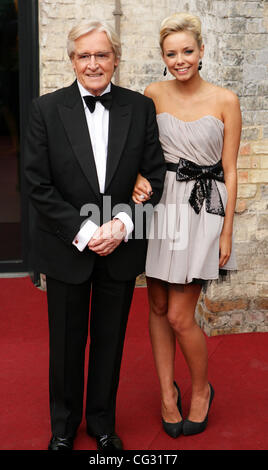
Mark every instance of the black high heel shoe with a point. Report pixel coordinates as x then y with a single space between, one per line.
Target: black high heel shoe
174 429
192 427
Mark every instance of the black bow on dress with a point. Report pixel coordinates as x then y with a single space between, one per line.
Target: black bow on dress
205 187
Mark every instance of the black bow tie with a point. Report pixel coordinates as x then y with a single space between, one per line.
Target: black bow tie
105 100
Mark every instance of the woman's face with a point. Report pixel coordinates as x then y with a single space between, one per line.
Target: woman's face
181 55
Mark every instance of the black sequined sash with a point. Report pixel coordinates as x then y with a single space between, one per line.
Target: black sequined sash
205 187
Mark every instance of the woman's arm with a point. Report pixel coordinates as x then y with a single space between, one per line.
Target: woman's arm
232 132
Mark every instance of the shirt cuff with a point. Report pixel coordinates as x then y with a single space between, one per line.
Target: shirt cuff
84 235
124 217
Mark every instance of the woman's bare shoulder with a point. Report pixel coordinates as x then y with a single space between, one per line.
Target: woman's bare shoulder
153 90
225 95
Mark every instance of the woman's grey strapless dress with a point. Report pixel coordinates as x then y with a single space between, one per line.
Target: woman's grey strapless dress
184 245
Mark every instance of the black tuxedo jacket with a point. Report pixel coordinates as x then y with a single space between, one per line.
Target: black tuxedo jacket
62 178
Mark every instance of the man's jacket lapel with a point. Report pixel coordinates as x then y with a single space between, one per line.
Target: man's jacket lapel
74 120
119 122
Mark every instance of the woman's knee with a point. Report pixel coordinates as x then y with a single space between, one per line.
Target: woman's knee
181 310
180 322
158 297
159 308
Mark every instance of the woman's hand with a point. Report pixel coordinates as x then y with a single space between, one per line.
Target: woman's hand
225 249
142 190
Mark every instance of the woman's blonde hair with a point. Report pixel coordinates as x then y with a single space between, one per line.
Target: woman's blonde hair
181 22
84 28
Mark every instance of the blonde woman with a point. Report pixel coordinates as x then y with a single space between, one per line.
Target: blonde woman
191 234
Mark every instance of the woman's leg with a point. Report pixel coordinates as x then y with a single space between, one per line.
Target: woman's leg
181 316
163 345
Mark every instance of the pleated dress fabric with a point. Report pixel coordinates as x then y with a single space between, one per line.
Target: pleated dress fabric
183 245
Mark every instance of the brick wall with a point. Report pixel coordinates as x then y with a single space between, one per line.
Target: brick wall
242 52
236 52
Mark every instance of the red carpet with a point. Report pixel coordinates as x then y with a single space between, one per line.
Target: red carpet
238 369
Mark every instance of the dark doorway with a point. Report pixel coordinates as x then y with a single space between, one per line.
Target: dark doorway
10 197
19 83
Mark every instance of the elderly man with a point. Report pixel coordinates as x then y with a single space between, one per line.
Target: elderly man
86 145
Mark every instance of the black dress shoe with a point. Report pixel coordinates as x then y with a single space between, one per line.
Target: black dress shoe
193 427
174 429
61 443
109 442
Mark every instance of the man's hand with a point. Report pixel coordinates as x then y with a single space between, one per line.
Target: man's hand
107 237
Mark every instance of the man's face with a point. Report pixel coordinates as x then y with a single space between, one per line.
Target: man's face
94 72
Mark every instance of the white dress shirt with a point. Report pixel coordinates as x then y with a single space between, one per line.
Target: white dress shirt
98 126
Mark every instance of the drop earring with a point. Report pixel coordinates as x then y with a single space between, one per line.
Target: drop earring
165 72
200 65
